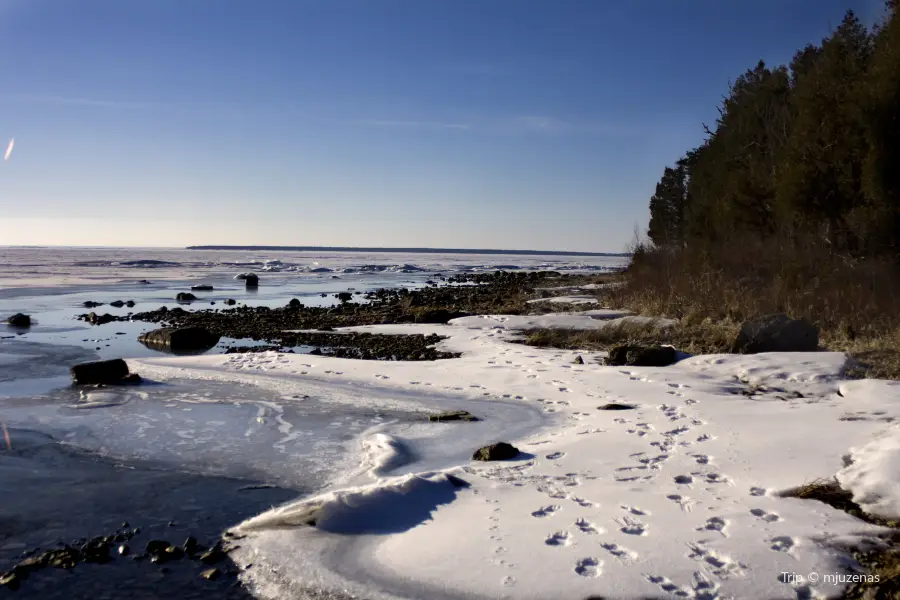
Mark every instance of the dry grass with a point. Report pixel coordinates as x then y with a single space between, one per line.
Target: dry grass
883 561
855 304
701 338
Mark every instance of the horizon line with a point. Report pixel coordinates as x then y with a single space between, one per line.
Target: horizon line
413 250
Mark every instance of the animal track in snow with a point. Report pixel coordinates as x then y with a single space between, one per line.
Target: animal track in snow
559 539
765 516
631 526
634 510
588 567
684 479
721 565
702 459
586 526
555 455
583 502
685 502
623 554
783 543
546 511
757 491
715 524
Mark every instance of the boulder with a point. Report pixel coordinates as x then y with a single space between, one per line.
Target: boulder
144 282
19 320
202 288
95 319
776 333
92 304
616 406
344 296
130 304
251 280
634 355
172 339
185 297
101 371
578 361
498 451
295 304
117 304
230 302
452 415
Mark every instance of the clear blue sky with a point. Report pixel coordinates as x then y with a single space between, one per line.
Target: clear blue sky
467 123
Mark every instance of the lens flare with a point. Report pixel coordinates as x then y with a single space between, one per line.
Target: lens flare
9 148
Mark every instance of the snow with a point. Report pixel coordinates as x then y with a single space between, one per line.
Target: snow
874 475
676 498
582 321
566 300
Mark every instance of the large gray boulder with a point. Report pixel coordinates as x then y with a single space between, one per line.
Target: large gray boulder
19 320
634 355
776 333
498 451
186 339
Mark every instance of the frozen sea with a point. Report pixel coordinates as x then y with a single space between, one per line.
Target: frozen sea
182 457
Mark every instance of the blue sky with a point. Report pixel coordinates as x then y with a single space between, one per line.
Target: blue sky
539 124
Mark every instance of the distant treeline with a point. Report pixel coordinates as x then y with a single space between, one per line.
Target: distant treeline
403 250
809 150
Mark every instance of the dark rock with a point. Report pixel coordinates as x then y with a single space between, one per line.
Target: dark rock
101 371
190 546
776 333
63 558
130 379
19 320
578 361
96 551
251 280
144 282
174 552
616 406
344 296
95 319
156 546
202 288
214 555
171 339
641 356
11 580
294 303
438 316
316 352
211 574
185 297
498 451
123 550
457 482
130 303
92 304
117 304
230 302
453 415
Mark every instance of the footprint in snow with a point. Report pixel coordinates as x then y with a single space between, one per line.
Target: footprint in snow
685 502
509 581
623 554
546 511
702 459
631 526
586 526
634 510
588 567
783 543
765 516
582 502
715 524
757 491
555 455
684 479
559 539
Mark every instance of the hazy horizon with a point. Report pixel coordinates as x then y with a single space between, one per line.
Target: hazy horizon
499 124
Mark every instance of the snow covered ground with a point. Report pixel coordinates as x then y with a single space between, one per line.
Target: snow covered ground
675 498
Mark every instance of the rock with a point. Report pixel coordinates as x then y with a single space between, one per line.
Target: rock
144 282
95 319
230 302
101 371
251 280
174 552
438 316
214 555
776 333
117 304
19 320
156 546
578 361
185 297
615 406
316 352
11 580
190 546
294 303
130 303
123 550
202 288
171 339
92 304
211 574
130 379
453 415
498 451
641 356
344 296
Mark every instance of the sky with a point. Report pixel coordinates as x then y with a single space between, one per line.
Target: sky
512 124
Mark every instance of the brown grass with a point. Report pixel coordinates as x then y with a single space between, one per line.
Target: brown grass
855 303
882 561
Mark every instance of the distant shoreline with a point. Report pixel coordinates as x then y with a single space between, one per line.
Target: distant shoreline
406 250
